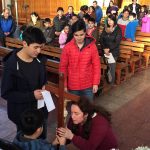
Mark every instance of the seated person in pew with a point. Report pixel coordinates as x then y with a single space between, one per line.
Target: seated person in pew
146 23
143 12
123 21
31 129
131 28
48 31
80 63
63 36
7 26
92 30
24 77
89 127
35 20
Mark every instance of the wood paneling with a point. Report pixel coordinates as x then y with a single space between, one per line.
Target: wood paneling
46 8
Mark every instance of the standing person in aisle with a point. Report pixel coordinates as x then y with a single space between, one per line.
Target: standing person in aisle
24 77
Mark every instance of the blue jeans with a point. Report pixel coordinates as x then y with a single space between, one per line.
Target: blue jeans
86 92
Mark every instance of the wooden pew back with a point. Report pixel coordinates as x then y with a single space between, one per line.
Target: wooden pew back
13 43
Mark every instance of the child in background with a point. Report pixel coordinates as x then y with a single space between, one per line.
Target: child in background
22 29
63 36
131 27
48 31
146 23
91 30
143 12
31 129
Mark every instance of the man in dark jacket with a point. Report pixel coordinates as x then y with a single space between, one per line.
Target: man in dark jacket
59 21
7 25
24 76
99 13
135 8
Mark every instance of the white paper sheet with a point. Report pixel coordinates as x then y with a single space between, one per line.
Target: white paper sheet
110 58
40 103
48 100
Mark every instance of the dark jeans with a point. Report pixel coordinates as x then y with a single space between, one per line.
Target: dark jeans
86 92
112 70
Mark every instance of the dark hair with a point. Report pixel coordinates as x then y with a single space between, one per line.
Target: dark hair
89 108
84 8
71 7
92 8
33 35
31 120
145 8
35 14
47 20
112 17
23 28
125 10
95 2
133 14
92 19
78 26
60 8
75 15
86 16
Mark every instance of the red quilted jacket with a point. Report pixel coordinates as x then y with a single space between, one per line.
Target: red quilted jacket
80 67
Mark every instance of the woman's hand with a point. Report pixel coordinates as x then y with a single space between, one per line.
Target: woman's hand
59 140
65 132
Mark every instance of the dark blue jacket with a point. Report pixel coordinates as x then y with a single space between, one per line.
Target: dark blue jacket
37 144
99 14
16 89
7 25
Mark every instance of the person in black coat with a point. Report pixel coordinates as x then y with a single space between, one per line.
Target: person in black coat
135 8
110 41
24 76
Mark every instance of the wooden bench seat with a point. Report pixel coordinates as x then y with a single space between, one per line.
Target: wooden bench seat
137 49
13 43
145 39
122 65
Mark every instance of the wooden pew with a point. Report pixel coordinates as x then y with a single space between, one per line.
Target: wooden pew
144 38
122 65
13 43
137 49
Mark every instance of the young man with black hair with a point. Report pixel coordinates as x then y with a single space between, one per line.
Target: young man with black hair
24 76
31 129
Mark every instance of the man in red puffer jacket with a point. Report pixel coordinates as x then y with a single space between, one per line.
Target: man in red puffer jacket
80 63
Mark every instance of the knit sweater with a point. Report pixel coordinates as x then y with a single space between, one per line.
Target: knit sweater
101 136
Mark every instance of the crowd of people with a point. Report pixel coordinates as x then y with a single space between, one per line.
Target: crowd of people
89 127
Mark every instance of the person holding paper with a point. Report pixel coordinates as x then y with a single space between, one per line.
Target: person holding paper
24 76
110 41
80 63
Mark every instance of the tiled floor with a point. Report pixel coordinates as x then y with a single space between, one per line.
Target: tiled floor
124 101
